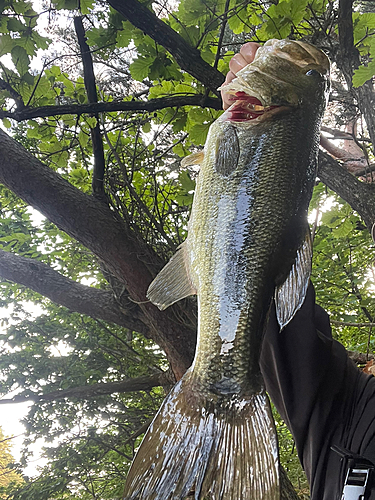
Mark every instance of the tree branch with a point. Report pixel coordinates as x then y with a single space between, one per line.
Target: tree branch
96 226
90 85
187 57
101 107
346 323
349 60
287 491
145 383
359 195
99 304
349 55
356 165
360 358
13 93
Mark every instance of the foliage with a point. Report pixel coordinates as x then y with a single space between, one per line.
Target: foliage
9 478
289 458
89 441
342 273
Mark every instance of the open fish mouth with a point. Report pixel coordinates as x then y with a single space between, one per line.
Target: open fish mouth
278 80
246 107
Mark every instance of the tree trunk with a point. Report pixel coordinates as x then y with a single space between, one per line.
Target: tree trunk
96 226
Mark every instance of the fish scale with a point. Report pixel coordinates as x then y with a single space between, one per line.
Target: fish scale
248 244
264 227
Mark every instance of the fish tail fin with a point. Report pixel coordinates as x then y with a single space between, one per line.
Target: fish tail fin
195 449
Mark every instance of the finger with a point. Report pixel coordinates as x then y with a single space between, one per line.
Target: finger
237 62
230 76
248 51
226 98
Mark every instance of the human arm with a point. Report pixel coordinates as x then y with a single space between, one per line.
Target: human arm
323 397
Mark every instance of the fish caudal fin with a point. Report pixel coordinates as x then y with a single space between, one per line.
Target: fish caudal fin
193 449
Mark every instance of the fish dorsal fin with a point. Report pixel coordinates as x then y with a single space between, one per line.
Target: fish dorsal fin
227 151
290 295
193 159
173 283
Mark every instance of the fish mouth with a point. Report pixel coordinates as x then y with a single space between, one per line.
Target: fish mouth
247 108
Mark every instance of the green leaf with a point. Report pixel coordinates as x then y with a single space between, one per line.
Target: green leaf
83 138
55 71
237 21
86 6
140 67
186 182
41 42
20 59
363 74
182 88
208 56
179 123
66 4
82 97
28 44
6 123
180 150
15 25
198 133
91 121
343 229
165 88
186 193
6 44
79 177
146 127
4 25
123 38
29 79
13 241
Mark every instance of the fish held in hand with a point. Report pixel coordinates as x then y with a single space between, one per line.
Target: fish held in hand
248 242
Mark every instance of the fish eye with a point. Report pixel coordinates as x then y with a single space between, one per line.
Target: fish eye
313 72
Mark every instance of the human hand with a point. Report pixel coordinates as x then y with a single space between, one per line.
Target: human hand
243 58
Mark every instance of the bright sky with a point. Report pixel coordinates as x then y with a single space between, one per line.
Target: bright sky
10 422
12 414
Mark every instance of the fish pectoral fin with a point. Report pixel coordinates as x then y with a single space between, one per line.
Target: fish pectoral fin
173 283
227 151
290 295
193 159
193 448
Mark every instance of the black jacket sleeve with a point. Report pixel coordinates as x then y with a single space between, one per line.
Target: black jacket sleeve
319 392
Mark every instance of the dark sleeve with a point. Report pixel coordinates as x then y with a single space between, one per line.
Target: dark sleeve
317 390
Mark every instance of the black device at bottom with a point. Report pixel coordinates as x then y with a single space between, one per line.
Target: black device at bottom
359 475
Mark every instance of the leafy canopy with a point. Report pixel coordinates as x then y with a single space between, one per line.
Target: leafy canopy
57 357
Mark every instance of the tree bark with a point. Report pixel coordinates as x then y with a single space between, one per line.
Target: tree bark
359 195
151 105
349 60
96 226
287 490
99 304
94 390
97 182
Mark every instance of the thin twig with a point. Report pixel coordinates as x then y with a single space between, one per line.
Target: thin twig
349 323
90 85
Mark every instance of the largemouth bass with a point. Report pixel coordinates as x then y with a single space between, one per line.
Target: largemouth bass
248 241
